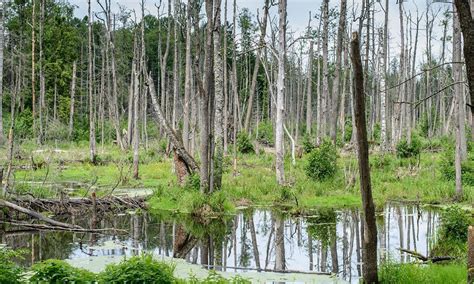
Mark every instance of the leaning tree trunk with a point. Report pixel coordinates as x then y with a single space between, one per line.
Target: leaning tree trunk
253 85
280 98
161 120
370 227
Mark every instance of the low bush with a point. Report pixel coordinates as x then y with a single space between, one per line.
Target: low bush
10 273
447 166
265 133
322 162
308 144
454 224
409 150
59 271
244 145
138 269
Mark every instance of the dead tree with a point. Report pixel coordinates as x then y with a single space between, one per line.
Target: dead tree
280 98
161 121
370 227
92 142
466 19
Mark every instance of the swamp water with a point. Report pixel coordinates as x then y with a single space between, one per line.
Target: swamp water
326 241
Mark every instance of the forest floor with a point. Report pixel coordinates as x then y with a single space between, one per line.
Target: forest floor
65 168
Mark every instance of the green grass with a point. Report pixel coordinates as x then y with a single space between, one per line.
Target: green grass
254 183
419 274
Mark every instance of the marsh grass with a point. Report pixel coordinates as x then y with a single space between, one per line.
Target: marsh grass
253 183
417 274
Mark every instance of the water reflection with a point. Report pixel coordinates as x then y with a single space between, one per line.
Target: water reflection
325 241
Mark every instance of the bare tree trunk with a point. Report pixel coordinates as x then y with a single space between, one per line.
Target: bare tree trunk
280 98
280 259
175 66
205 96
2 31
383 86
219 99
161 120
325 103
187 78
42 104
466 20
72 100
164 61
309 103
92 142
136 98
338 79
33 68
370 227
263 30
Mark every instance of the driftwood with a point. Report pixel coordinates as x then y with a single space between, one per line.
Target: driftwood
265 269
34 214
62 205
43 227
424 258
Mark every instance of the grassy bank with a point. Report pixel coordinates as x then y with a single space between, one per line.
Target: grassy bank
253 183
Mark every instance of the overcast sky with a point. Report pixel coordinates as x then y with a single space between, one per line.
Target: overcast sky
298 16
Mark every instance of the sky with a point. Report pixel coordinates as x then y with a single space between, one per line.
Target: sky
298 13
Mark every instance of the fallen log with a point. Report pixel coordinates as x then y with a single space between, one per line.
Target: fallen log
424 258
43 227
34 214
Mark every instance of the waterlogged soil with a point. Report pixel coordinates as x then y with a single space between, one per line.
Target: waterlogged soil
327 241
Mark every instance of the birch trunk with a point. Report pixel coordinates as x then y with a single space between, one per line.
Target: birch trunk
2 23
92 142
72 100
280 98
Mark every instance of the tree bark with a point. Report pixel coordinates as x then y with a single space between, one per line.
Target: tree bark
466 20
72 100
219 99
92 142
370 228
280 98
325 99
341 30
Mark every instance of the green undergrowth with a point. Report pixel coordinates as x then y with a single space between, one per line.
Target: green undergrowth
418 273
66 168
136 269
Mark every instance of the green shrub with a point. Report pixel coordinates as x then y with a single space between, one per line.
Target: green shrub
138 269
10 273
347 130
244 145
322 162
59 271
447 166
377 133
454 224
308 145
380 161
409 150
24 124
193 182
265 133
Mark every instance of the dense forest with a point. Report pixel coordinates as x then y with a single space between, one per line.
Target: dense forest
212 97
